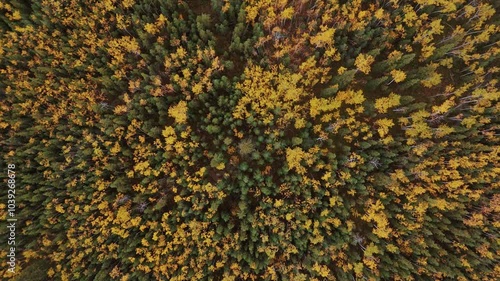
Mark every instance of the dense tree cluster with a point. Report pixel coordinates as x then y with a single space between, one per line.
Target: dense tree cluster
253 140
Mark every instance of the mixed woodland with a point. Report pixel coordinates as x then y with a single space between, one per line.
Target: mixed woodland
252 140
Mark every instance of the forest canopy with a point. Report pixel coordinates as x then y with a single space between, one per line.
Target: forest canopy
252 140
